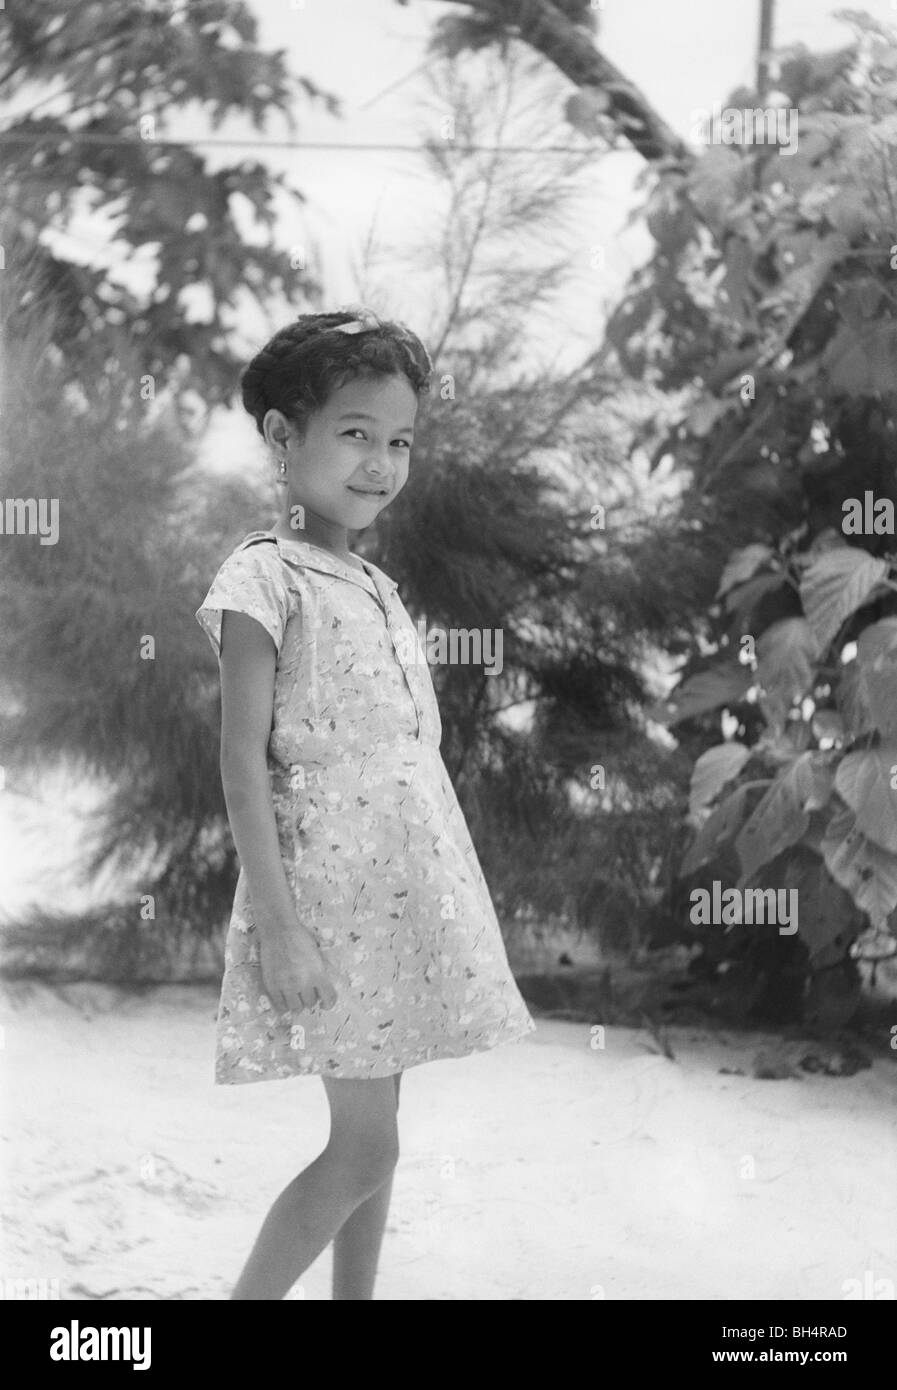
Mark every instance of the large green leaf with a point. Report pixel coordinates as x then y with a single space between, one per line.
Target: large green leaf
722 685
868 872
805 262
781 816
742 565
877 660
743 599
718 829
706 415
716 181
836 584
713 770
864 780
852 697
787 653
862 364
858 301
827 915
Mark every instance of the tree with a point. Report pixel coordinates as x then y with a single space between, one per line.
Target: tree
91 92
563 34
98 654
769 302
789 440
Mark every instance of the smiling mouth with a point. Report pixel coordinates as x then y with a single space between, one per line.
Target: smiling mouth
369 491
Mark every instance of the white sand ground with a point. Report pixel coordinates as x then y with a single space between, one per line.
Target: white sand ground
545 1169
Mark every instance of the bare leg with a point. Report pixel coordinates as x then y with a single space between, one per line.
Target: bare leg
356 1246
359 1158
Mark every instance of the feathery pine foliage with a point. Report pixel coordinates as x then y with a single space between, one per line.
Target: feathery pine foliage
494 531
98 653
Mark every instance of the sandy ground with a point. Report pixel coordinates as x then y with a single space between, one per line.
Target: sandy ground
544 1169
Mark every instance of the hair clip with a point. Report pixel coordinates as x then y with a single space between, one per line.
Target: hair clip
365 319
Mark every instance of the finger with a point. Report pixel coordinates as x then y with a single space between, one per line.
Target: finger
326 988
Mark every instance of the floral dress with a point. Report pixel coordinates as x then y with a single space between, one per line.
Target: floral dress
376 850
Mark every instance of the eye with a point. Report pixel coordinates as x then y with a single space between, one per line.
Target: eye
405 443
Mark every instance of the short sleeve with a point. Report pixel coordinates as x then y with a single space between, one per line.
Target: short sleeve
250 581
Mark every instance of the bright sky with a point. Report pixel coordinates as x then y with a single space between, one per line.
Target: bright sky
366 52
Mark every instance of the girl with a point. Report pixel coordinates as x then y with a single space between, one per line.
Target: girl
362 938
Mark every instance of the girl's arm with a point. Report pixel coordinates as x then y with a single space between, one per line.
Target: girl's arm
292 967
248 658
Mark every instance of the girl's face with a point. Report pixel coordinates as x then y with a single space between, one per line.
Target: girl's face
353 460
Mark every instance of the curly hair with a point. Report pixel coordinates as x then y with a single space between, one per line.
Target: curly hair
298 369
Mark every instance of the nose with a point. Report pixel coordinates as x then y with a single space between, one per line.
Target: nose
377 467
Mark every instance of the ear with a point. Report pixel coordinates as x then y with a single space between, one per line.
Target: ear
276 430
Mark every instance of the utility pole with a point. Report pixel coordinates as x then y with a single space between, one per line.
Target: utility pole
764 47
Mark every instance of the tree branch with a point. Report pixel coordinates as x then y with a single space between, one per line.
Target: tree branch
569 47
475 235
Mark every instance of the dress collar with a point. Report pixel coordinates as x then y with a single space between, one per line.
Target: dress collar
311 556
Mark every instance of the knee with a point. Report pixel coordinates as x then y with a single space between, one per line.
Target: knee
367 1160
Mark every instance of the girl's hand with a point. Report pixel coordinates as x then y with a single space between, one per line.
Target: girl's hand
294 972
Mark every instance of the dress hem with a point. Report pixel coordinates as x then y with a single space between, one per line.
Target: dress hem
419 1058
